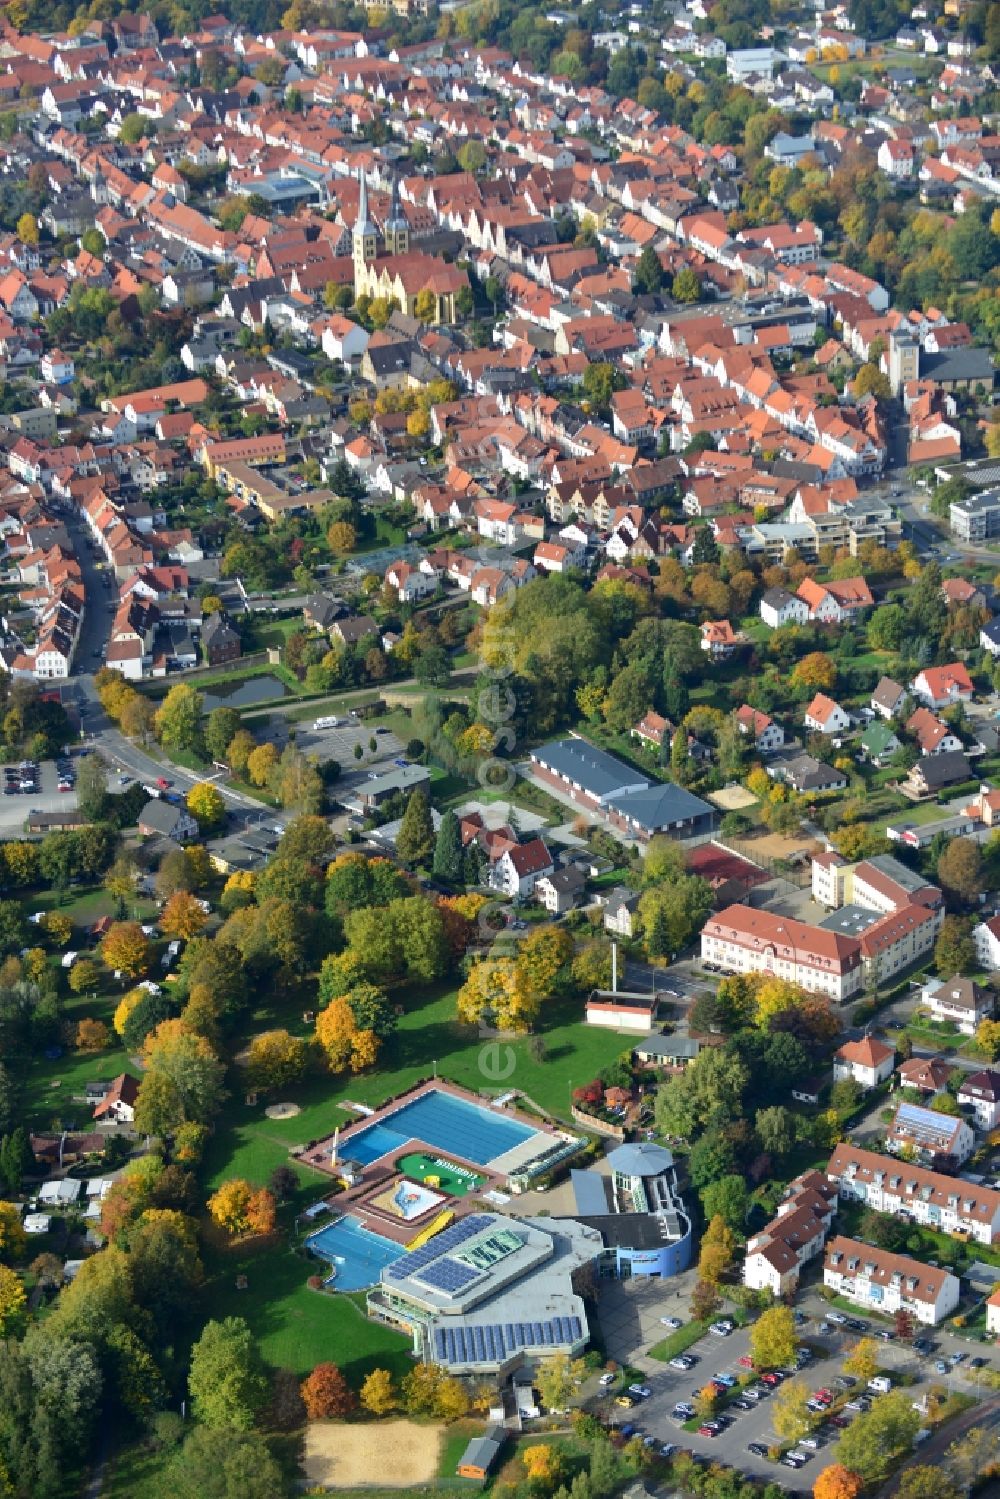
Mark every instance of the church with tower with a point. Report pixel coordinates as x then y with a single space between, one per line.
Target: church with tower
385 266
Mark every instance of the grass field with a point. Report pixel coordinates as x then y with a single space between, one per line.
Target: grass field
245 1143
295 1327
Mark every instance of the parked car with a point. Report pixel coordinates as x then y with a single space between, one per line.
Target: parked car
671 1322
726 1380
722 1329
668 1449
757 1448
642 1391
606 1379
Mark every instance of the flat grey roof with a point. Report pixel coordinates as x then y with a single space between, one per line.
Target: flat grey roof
590 1192
850 921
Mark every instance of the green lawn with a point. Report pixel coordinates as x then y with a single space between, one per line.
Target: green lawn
245 1143
87 906
51 1088
297 1328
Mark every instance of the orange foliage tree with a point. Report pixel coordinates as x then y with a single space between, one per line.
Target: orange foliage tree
326 1393
241 1208
124 948
837 1482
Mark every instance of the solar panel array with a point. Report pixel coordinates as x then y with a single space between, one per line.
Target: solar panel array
447 1275
923 1123
439 1245
494 1342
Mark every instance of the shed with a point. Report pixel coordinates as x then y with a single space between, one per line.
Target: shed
481 1453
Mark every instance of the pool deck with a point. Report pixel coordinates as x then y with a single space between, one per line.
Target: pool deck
379 1175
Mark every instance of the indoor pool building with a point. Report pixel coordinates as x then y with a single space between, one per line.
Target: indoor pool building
490 1293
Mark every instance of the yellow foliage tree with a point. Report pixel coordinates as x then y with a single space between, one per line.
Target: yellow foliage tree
494 988
543 1465
342 537
124 947
12 1302
862 1361
378 1393
126 1005
205 803
182 916
241 1208
241 881
276 1059
13 1239
261 763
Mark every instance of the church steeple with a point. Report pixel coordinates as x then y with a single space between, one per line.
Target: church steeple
397 229
363 237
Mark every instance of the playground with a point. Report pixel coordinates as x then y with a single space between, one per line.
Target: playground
438 1172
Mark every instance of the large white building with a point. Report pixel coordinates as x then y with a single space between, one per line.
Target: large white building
895 914
889 1185
889 1283
741 939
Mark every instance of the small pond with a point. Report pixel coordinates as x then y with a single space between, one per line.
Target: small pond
242 694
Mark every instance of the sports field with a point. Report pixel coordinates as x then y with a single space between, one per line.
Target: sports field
451 1178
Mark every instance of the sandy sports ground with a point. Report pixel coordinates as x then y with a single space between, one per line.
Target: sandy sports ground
732 798
385 1454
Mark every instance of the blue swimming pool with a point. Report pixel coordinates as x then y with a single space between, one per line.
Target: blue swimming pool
448 1123
357 1255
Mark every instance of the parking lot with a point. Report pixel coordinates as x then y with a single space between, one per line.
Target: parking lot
14 808
339 744
653 1416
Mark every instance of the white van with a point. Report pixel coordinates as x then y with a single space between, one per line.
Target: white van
880 1385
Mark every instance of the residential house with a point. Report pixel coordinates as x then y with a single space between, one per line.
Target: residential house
824 716
867 1062
960 1000
518 868
932 734
877 1280
941 686
560 891
901 1188
832 603
980 1093
220 642
620 908
987 939
928 1075
764 734
879 743
162 819
118 1104
621 1010
796 1234
779 607
935 773
718 639
889 699
935 1140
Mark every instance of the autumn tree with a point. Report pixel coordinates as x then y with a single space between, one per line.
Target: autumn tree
13 1303
960 870
816 672
837 1482
182 916
931 1483
92 1035
718 1246
558 1378
876 1438
13 1240
773 1341
494 992
378 1393
125 949
789 1414
326 1394
205 803
178 719
241 1208
261 763
862 1361
544 1465
344 1042
276 1060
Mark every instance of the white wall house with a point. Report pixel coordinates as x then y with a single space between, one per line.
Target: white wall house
889 1283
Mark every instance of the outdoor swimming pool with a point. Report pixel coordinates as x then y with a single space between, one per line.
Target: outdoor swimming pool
357 1255
440 1119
